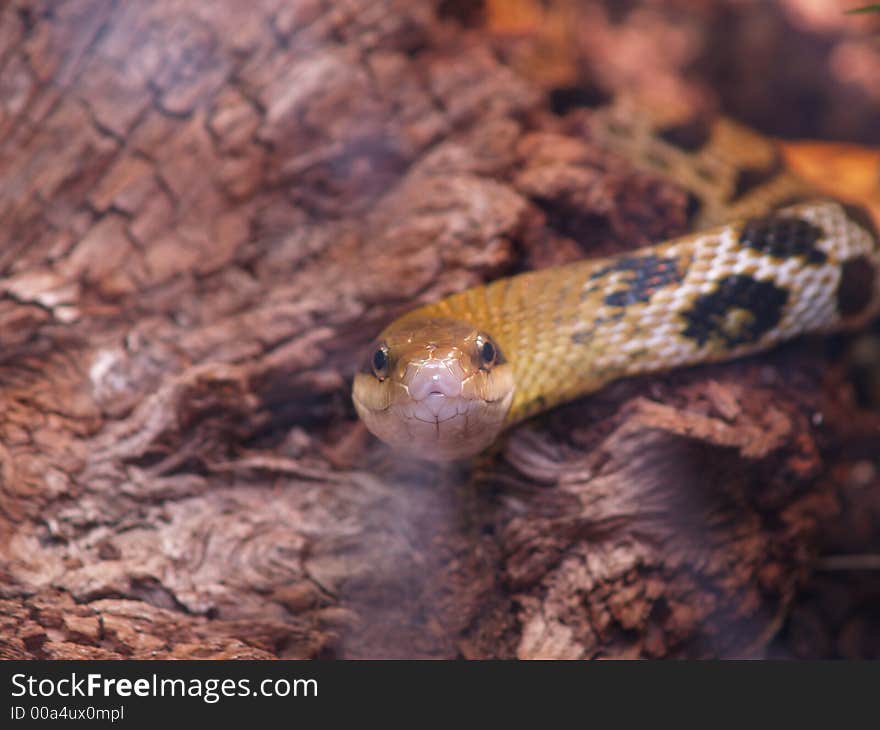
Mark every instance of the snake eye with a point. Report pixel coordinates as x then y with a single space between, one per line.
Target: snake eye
487 351
379 362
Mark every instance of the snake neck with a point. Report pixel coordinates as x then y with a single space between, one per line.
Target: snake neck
715 295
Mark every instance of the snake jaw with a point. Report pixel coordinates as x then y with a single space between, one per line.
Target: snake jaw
438 428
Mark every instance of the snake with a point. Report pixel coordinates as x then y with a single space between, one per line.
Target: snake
771 255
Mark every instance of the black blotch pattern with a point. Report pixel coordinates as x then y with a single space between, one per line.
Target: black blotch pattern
467 12
783 237
856 288
706 318
861 217
689 136
694 207
750 178
648 273
565 98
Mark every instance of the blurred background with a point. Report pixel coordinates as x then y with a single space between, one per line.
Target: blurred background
207 212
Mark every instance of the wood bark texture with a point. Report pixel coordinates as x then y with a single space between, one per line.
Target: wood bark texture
208 210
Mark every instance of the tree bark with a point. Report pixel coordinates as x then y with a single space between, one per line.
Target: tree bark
208 211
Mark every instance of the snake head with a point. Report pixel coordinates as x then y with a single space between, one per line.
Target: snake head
437 388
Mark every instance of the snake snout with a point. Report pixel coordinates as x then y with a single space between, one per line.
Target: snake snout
434 379
435 387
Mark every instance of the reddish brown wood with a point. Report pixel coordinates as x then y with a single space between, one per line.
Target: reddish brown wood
208 210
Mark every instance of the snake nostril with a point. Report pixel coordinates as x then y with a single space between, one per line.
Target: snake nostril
433 380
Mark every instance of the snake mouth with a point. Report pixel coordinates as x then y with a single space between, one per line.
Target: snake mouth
439 408
434 393
442 427
437 427
439 419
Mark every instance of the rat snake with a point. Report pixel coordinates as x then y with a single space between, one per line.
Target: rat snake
773 257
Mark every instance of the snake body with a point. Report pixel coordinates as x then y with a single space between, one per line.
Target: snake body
445 379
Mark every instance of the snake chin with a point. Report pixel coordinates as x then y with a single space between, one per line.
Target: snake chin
438 427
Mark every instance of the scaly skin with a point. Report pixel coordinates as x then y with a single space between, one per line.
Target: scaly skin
758 276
